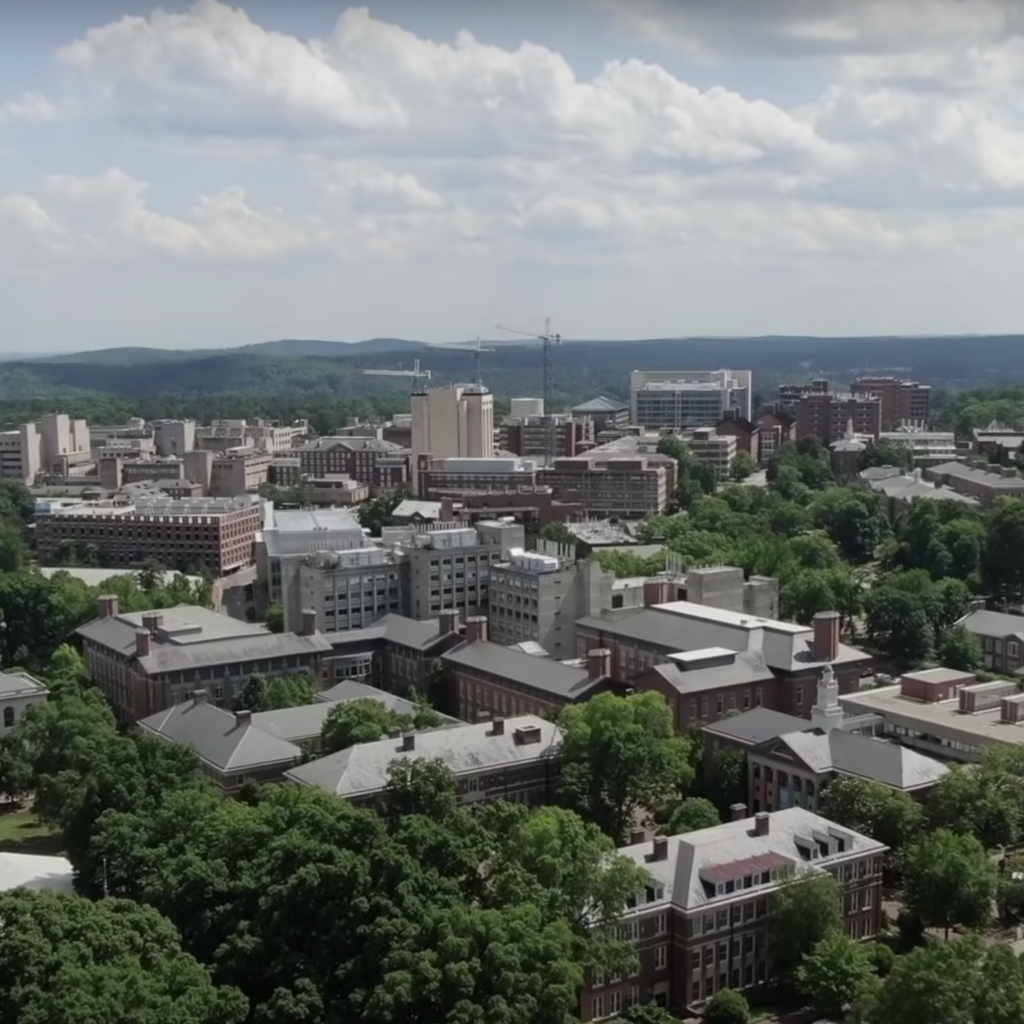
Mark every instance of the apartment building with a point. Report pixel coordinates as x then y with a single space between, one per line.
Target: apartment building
515 759
217 534
688 398
701 926
529 435
828 415
489 679
18 692
901 401
145 662
977 478
710 662
613 486
382 465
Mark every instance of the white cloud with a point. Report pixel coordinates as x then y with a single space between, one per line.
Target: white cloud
30 106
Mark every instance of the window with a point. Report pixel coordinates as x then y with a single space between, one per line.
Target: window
8 717
799 696
660 957
597 1007
868 899
615 1002
661 924
634 995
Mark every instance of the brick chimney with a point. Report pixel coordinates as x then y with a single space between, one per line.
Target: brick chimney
599 663
738 812
151 622
826 636
762 823
199 697
142 639
408 741
243 718
448 621
447 513
498 727
655 592
309 622
108 606
637 836
659 848
476 628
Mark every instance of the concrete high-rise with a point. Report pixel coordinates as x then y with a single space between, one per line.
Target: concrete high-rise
455 421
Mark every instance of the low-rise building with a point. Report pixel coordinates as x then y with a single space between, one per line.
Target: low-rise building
1001 636
714 449
530 435
628 487
900 490
18 692
516 759
702 924
146 662
979 479
746 433
996 438
380 464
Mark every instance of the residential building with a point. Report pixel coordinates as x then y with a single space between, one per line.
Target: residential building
942 712
775 427
516 759
977 478
828 414
214 533
688 398
18 692
489 679
658 648
901 401
701 926
604 413
530 435
455 421
146 662
745 433
381 464
1001 636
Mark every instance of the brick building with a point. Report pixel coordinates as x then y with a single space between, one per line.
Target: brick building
828 415
628 486
217 534
901 401
702 924
775 427
529 435
381 464
732 424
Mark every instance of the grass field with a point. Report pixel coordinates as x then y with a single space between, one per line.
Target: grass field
22 832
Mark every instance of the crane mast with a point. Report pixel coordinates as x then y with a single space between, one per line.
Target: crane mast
548 342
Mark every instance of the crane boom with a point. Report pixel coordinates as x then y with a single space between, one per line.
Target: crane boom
548 342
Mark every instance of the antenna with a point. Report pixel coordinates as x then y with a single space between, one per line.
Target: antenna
548 342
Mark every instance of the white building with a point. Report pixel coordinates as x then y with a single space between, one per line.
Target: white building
17 694
456 421
55 444
688 398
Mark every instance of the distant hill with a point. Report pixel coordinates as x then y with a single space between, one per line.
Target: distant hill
333 349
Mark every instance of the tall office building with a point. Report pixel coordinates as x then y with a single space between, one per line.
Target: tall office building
451 422
688 398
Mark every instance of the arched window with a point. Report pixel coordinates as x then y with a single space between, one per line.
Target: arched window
8 717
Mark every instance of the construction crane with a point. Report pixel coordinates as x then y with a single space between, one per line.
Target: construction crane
548 342
477 376
415 374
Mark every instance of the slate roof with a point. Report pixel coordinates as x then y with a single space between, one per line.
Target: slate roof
964 471
865 757
685 626
219 739
296 725
467 749
747 668
734 849
996 624
542 674
394 628
756 726
351 689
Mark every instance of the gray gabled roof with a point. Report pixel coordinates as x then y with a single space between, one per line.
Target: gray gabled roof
350 689
219 739
756 726
526 669
296 725
864 757
747 668
468 749
601 404
394 628
995 624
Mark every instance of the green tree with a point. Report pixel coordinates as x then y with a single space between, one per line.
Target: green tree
885 814
726 1006
830 976
743 466
885 453
690 815
376 513
275 618
949 880
807 907
999 995
72 960
360 721
854 519
648 1013
960 649
898 625
1003 559
263 694
622 755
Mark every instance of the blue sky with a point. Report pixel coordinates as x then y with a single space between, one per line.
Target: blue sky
217 175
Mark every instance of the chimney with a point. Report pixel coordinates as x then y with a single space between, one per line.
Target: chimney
826 636
498 727
199 697
655 592
738 812
637 836
394 734
659 848
408 741
761 823
448 621
476 628
309 622
243 718
447 513
108 606
599 663
151 622
142 639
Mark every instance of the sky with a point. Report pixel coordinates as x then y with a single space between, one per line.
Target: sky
209 175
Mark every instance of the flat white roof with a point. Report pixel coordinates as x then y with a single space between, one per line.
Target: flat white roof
725 617
703 654
39 874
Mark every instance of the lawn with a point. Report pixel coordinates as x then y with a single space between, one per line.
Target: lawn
22 832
